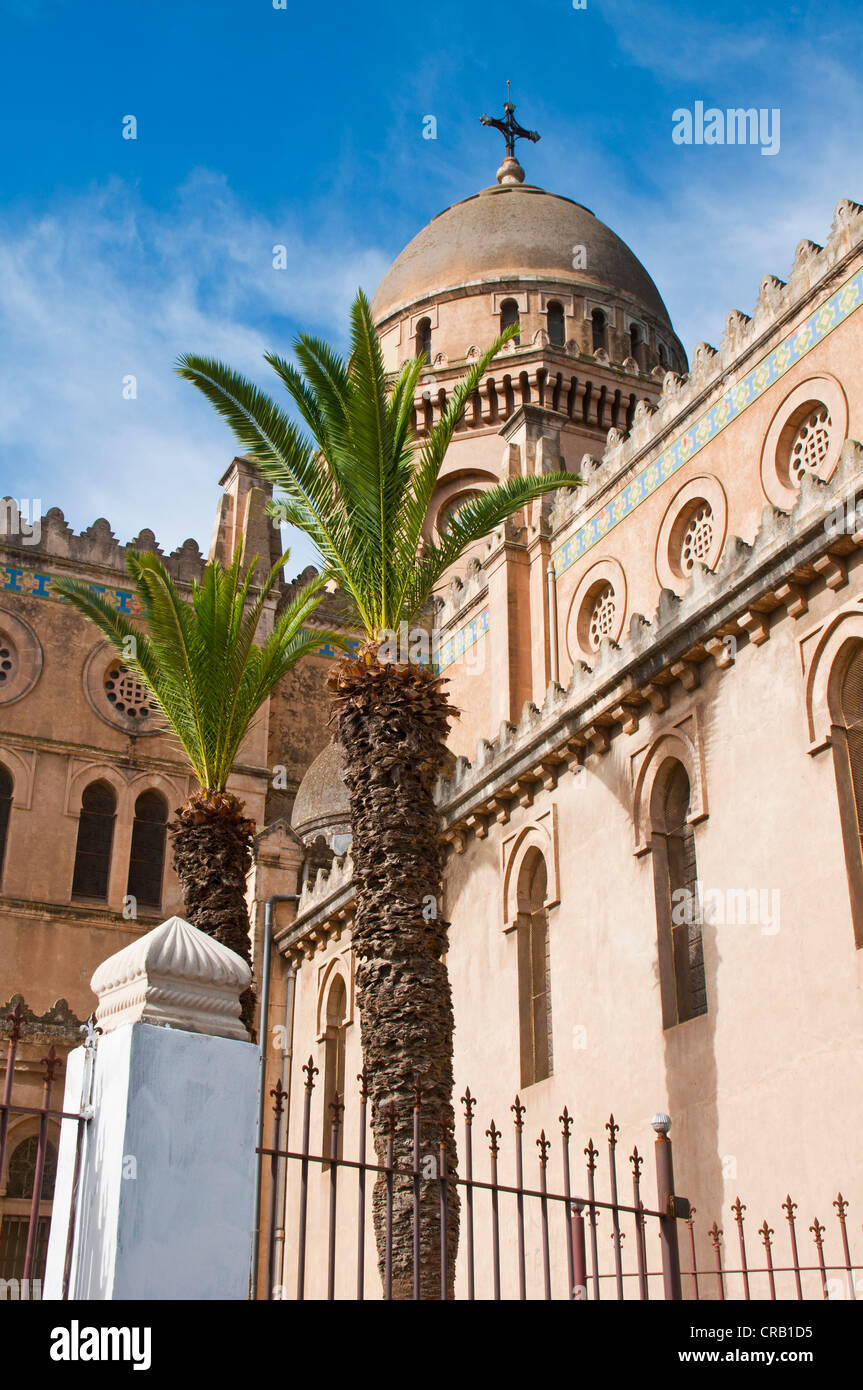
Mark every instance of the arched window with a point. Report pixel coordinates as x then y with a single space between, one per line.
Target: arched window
534 971
599 324
424 340
678 899
21 1174
556 324
6 790
95 836
663 355
147 857
634 339
334 1059
847 740
509 316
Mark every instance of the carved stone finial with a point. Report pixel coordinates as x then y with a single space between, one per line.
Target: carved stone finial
176 977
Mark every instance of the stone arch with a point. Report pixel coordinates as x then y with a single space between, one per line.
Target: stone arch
97 772
823 672
540 836
339 968
675 745
21 768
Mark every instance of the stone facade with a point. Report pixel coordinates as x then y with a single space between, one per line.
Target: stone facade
654 791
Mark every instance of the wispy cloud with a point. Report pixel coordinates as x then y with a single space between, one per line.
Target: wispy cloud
102 287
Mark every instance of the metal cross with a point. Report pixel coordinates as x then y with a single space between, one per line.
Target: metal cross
509 126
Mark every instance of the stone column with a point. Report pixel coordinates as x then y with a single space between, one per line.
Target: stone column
166 1182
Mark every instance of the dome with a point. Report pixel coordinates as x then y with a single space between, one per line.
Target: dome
513 231
321 806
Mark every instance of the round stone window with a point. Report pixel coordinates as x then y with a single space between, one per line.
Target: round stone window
126 694
8 659
20 658
597 610
692 532
118 696
810 444
697 541
805 436
602 617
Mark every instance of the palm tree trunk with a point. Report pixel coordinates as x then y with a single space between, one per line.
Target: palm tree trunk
392 723
212 853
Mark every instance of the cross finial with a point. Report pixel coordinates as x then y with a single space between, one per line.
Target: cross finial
510 171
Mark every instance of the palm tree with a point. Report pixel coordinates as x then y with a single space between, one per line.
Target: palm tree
360 486
199 660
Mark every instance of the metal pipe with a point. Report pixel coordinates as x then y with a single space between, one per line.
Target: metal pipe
551 580
262 1072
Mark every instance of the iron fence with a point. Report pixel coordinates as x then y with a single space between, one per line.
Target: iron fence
565 1227
24 1234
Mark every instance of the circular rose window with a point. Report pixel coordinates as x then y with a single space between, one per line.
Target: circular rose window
601 621
692 532
697 541
126 694
805 436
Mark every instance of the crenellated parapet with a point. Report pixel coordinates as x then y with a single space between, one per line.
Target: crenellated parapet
52 536
722 382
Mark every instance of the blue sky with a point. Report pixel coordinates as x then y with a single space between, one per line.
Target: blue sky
303 127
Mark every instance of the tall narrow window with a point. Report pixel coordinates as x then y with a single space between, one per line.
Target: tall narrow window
334 1059
847 740
599 324
509 316
556 324
423 340
95 836
6 790
147 857
534 971
678 900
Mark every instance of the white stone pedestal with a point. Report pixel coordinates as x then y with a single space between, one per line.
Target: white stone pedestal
167 1177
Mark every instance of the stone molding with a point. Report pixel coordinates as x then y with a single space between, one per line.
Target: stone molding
175 977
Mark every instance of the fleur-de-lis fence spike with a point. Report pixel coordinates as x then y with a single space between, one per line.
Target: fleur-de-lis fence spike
715 1234
16 1020
493 1135
337 1107
612 1131
637 1161
738 1208
765 1233
469 1103
363 1079
279 1095
592 1155
311 1072
543 1145
518 1111
51 1063
566 1123
91 1032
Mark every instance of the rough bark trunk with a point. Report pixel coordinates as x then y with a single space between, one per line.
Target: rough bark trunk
212 852
392 723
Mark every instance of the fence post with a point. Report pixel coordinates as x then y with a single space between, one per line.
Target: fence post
666 1204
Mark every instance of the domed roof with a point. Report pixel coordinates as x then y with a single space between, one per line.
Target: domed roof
512 231
322 797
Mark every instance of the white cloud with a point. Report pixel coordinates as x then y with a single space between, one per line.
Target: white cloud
102 287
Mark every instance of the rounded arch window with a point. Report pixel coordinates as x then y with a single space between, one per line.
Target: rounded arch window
95 839
556 324
509 314
424 340
21 1173
147 854
452 507
805 436
599 326
7 791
